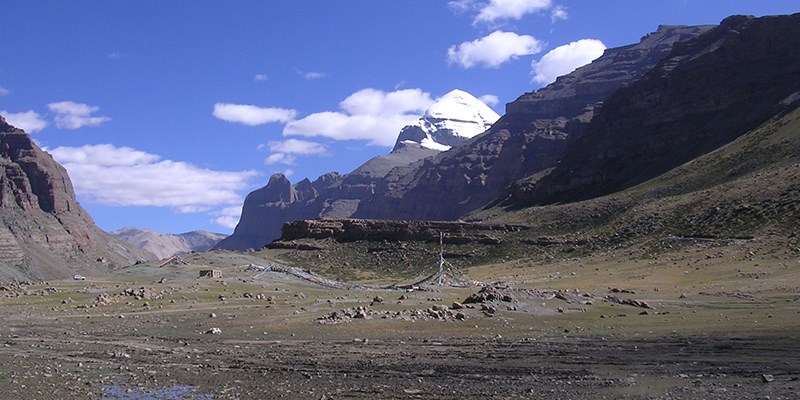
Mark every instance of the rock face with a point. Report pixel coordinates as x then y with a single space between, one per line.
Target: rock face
708 92
529 138
167 245
45 233
452 119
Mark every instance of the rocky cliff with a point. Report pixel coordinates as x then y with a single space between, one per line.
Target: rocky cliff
166 245
44 232
533 134
708 92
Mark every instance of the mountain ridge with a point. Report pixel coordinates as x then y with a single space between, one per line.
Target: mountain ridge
531 137
452 119
164 245
45 233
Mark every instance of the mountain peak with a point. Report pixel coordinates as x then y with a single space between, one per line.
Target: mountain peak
453 118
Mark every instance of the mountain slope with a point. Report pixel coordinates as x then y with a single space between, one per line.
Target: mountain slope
452 119
707 93
166 245
530 137
747 188
44 232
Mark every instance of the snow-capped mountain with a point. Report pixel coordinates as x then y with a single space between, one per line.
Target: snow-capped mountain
453 118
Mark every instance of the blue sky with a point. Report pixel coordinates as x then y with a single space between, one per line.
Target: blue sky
167 113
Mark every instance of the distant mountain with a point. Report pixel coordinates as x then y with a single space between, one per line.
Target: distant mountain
703 147
451 120
44 232
530 138
167 245
454 117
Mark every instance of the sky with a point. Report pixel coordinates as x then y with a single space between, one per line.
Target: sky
167 113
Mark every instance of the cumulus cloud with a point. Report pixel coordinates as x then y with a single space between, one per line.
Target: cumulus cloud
71 115
510 9
565 59
280 158
369 114
296 146
228 216
283 152
251 115
261 77
492 11
122 176
489 99
493 50
29 121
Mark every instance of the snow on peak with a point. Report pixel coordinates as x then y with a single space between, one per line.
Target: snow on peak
453 118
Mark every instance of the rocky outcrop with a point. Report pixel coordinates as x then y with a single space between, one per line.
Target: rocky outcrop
530 138
167 245
351 230
44 232
708 92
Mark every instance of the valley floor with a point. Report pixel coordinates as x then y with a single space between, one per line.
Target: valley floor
726 328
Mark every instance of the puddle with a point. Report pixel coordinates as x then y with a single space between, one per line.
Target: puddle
183 392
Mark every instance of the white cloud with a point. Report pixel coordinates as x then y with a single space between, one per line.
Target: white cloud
228 216
310 75
4 91
369 114
261 77
377 102
251 115
71 115
295 146
29 121
461 6
313 75
565 59
122 176
280 158
492 11
104 155
284 151
489 99
116 56
510 9
493 50
558 13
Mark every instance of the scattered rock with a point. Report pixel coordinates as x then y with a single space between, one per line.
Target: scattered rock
142 293
103 299
628 302
767 378
213 331
490 293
